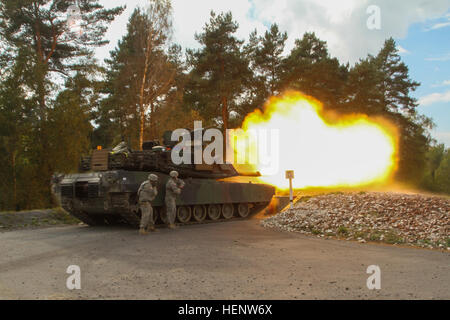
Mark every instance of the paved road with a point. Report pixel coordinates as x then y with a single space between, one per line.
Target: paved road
234 260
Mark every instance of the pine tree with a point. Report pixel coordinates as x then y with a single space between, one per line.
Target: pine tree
443 173
265 54
37 36
380 85
140 71
70 117
267 58
219 70
172 114
434 158
361 91
396 88
396 84
42 26
15 127
310 69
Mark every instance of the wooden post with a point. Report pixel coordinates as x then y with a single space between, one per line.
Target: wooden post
290 176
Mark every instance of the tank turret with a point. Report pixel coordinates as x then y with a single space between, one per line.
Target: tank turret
154 157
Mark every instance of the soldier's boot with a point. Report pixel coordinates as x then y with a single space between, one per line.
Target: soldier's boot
172 226
152 229
142 232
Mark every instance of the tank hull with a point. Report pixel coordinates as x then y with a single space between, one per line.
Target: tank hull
110 197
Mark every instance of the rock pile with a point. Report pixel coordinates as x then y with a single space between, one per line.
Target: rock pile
394 218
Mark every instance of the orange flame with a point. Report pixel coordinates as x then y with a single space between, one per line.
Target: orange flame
324 149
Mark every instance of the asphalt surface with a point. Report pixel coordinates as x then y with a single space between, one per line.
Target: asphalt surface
232 260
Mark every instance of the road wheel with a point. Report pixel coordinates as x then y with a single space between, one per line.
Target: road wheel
227 210
184 214
243 210
199 213
214 212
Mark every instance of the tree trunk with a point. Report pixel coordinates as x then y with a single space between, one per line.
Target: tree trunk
225 113
225 125
152 121
148 49
141 127
142 108
13 163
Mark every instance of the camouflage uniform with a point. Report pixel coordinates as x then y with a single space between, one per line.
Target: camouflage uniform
147 193
173 188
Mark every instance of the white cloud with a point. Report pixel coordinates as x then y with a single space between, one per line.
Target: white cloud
341 23
441 84
402 50
434 97
441 25
191 16
444 57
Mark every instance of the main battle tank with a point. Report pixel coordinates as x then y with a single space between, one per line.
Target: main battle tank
104 192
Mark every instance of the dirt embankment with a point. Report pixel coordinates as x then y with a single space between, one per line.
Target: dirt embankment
394 218
35 219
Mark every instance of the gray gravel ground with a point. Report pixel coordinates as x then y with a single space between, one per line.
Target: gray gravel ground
394 218
234 260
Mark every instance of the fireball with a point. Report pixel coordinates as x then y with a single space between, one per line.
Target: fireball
324 149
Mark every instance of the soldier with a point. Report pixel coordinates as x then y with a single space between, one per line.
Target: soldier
173 188
147 193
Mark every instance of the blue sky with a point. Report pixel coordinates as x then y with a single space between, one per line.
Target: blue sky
421 29
428 58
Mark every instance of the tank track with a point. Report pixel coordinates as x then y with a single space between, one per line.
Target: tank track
85 218
133 220
252 212
130 218
206 221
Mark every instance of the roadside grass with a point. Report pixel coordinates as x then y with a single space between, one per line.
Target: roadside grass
343 231
393 238
305 199
35 219
376 236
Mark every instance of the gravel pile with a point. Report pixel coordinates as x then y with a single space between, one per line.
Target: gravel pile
387 217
